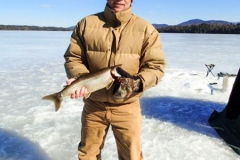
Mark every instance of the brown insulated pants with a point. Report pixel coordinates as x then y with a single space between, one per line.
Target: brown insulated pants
126 125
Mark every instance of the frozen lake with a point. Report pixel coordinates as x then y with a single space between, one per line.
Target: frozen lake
175 112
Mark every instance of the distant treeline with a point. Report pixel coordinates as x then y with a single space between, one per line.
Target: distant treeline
32 28
203 28
196 28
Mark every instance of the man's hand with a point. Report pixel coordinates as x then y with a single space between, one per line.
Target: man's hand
81 92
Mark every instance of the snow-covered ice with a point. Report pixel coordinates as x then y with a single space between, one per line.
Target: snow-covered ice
175 112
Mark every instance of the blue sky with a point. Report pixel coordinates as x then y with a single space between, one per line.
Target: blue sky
65 13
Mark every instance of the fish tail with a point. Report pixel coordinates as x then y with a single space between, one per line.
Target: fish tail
55 98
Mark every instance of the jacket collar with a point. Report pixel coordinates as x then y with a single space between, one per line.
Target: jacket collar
116 19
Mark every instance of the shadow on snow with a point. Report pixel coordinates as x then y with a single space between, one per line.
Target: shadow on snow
14 146
190 114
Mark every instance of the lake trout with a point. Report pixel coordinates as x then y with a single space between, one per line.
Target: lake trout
103 78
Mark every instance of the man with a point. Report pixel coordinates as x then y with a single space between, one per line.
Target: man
114 36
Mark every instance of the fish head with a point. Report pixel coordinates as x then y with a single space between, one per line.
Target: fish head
114 72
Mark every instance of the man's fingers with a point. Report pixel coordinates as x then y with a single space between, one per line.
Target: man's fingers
79 93
84 92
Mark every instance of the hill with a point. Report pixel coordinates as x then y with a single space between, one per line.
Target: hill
199 21
196 22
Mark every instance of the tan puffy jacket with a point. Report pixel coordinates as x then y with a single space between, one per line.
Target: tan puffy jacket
107 39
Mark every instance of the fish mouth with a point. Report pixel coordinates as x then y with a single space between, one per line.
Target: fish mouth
114 72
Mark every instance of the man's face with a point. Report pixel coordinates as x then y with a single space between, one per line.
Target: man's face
119 5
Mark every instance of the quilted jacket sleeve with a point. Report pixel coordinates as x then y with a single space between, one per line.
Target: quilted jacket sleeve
152 61
75 55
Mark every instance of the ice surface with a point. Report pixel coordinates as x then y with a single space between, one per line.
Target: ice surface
175 112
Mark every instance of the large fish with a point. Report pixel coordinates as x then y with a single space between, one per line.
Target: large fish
103 78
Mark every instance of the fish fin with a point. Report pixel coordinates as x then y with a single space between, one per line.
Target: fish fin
56 99
87 95
109 85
